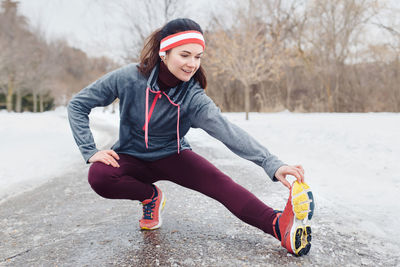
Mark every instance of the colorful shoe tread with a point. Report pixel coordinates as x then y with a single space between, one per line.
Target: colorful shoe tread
292 223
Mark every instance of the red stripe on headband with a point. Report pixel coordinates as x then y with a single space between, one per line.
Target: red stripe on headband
182 42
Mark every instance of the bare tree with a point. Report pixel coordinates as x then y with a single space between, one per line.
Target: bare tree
12 30
284 21
40 71
244 52
389 54
141 18
333 29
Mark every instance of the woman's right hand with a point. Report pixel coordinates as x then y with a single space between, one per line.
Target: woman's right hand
107 157
297 171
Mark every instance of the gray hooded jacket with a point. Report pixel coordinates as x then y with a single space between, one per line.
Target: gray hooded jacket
175 112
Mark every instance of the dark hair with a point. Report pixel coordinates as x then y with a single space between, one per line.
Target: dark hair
149 56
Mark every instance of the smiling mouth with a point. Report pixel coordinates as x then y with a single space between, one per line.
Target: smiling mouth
187 71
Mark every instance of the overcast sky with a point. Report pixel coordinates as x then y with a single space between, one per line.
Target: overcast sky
98 30
86 24
79 21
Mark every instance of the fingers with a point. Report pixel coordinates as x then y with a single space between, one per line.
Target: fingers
297 171
300 168
114 154
286 183
108 157
280 174
110 161
282 178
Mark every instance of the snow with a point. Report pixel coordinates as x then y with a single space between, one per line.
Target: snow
351 160
36 147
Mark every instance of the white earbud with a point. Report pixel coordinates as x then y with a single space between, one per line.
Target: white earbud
163 56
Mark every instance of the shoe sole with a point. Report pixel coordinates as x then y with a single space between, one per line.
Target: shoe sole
163 201
303 209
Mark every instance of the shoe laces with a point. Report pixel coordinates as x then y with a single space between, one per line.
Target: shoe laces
148 209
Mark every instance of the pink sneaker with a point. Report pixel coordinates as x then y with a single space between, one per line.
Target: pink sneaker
290 226
152 210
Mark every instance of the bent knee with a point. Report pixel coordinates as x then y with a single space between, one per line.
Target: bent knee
100 180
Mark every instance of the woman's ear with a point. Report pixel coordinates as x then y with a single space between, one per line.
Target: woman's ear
163 56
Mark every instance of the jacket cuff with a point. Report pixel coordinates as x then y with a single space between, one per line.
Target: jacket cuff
270 167
87 154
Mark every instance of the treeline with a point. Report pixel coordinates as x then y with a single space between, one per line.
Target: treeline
308 56
35 74
261 55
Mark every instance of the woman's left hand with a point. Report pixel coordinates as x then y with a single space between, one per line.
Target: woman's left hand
296 170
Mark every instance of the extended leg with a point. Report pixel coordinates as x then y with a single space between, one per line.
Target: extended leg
193 171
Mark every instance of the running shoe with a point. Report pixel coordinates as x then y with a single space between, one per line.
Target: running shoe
290 226
152 210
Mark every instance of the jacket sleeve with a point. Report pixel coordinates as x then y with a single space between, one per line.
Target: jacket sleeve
100 93
207 116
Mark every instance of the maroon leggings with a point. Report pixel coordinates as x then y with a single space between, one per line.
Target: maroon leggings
133 180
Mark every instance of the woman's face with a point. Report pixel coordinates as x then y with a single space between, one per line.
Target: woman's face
183 61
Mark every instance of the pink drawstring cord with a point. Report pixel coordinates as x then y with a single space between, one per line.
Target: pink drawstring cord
152 107
148 115
177 123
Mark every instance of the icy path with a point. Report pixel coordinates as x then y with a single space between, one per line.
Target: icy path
350 160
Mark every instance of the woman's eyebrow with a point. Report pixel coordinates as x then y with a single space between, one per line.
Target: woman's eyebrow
191 52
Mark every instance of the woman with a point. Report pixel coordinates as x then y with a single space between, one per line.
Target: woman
160 100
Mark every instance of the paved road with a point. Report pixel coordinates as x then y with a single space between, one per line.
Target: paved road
64 223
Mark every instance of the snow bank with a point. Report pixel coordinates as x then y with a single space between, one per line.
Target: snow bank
350 160
36 147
